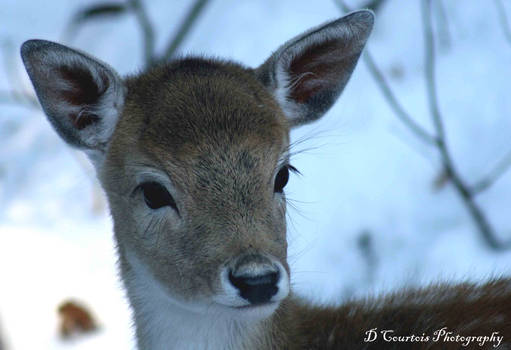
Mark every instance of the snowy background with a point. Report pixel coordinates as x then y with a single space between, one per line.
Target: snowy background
368 218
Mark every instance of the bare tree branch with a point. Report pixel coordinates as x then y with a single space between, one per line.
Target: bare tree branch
501 12
9 55
342 5
147 30
384 86
17 93
443 25
19 99
430 62
88 13
418 130
14 96
439 140
374 5
500 168
184 29
477 214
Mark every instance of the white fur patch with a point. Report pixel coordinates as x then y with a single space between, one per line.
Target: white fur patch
164 322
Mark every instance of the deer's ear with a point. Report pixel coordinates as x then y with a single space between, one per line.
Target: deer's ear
81 96
307 74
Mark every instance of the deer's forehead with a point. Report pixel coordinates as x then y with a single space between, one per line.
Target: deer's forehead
196 111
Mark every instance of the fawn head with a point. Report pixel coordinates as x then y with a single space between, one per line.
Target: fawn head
193 157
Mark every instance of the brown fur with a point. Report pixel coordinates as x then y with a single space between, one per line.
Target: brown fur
466 309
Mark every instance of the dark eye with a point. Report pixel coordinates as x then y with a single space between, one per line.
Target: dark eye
157 196
281 179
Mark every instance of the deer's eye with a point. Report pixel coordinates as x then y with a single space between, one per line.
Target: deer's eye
281 179
157 196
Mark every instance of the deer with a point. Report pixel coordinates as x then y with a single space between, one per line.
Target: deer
193 156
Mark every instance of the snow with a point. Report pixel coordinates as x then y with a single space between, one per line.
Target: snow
364 173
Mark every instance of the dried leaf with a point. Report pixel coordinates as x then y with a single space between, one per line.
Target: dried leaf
75 319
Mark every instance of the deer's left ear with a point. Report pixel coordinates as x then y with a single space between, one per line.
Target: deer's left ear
307 74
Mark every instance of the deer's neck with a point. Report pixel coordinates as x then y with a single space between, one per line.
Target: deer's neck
162 323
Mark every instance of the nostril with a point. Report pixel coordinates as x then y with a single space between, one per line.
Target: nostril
256 289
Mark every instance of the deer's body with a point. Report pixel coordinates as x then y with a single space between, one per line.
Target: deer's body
193 156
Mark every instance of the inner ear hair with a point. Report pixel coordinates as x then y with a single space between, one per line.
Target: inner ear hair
308 73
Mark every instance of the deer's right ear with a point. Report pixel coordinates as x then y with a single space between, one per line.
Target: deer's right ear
309 72
81 96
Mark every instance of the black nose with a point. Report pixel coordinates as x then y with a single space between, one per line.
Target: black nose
256 289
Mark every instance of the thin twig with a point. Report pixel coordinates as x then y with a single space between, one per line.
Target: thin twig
391 98
373 5
418 130
342 5
147 30
15 95
443 25
183 30
500 168
501 11
19 99
9 63
430 62
477 214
